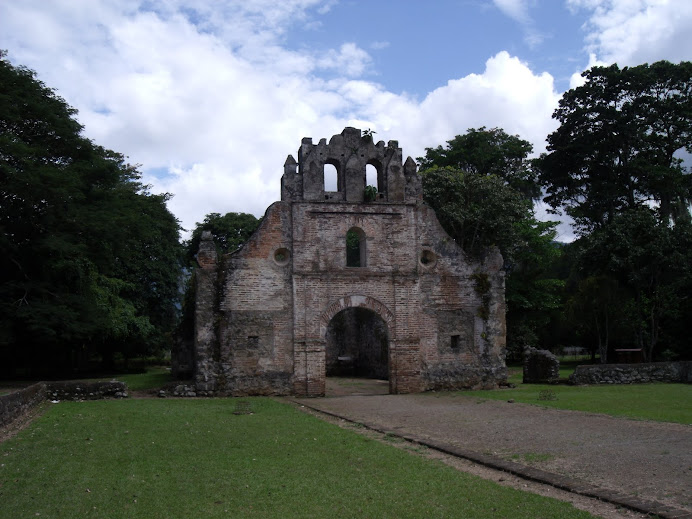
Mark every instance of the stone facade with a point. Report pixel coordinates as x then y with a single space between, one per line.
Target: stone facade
336 282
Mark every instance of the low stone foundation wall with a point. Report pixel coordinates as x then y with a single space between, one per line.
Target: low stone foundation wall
19 403
80 390
633 373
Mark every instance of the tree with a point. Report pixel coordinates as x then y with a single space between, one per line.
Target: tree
618 143
91 259
488 203
487 152
615 166
229 231
638 255
478 211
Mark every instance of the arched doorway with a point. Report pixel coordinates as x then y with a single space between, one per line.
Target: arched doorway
357 345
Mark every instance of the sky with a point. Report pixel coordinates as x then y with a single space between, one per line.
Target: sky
211 96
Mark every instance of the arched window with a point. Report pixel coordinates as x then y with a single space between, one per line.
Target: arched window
331 178
371 176
355 247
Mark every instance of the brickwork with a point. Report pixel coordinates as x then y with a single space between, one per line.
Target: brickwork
263 313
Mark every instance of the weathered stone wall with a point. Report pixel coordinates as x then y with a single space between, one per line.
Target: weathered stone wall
263 312
633 373
540 367
19 403
83 390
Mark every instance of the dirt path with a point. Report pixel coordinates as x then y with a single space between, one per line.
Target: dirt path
641 460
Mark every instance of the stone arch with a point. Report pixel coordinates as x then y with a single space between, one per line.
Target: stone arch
332 176
358 301
357 345
379 174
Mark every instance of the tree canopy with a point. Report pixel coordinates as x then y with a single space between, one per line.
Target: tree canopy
484 152
618 145
615 166
90 262
229 232
480 186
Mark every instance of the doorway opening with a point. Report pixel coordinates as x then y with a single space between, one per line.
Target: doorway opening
357 347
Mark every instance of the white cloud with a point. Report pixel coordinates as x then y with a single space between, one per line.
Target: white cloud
515 9
349 60
213 98
632 32
508 95
518 10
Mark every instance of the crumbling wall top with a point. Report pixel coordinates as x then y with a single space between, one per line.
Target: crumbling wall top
350 152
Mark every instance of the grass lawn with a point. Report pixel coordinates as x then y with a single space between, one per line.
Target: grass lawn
154 377
196 458
660 402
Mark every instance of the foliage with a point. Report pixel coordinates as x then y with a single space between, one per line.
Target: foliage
153 378
194 458
533 290
478 211
487 203
614 166
618 143
487 152
370 193
90 263
229 232
353 245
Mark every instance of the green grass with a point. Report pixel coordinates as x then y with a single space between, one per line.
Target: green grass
155 377
659 402
195 458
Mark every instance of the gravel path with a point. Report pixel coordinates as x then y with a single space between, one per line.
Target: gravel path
641 459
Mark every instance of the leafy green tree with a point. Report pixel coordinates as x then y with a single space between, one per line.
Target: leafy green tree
478 211
229 231
639 256
487 152
618 144
615 166
488 203
90 259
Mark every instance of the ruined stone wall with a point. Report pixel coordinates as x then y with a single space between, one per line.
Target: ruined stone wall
540 367
255 311
18 404
264 311
633 373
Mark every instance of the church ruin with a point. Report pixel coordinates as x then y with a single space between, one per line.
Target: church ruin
353 281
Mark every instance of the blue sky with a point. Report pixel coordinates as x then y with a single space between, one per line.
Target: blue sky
417 46
210 96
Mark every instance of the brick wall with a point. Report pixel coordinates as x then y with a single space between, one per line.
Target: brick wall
276 297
